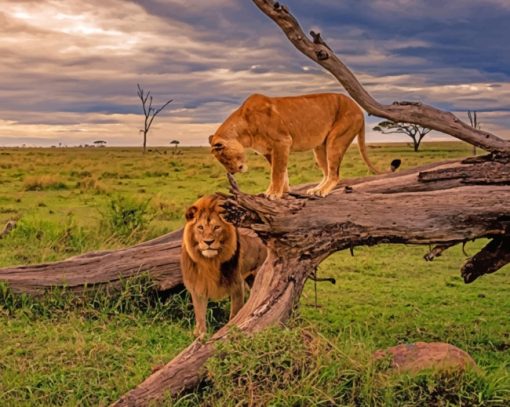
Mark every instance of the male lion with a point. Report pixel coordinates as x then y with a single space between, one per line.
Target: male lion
216 258
275 126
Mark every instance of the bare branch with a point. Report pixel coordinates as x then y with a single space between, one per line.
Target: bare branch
490 259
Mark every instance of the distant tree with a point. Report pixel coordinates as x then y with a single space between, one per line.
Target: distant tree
415 131
100 143
175 143
473 120
149 112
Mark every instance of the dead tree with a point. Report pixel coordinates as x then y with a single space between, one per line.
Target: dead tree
442 204
415 131
473 120
149 112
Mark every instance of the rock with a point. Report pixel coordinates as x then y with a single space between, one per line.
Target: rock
415 357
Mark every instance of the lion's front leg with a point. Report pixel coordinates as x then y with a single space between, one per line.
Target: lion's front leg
200 308
279 177
236 299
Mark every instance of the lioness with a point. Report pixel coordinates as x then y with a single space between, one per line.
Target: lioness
275 126
216 258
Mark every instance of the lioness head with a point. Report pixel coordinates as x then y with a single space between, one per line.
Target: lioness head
206 233
230 153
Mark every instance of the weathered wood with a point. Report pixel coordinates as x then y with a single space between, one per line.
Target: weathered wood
159 258
490 259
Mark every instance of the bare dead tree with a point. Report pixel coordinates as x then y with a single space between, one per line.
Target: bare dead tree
440 204
415 131
149 112
473 120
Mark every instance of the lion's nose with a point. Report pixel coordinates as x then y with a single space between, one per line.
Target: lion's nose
209 242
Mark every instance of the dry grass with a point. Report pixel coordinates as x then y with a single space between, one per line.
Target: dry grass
43 183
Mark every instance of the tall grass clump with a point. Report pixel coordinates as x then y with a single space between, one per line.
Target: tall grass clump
136 296
47 240
126 218
43 183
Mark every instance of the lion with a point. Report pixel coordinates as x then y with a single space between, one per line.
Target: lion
216 258
326 123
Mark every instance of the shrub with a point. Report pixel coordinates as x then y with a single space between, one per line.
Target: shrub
126 218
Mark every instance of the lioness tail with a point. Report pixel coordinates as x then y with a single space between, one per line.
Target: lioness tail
363 149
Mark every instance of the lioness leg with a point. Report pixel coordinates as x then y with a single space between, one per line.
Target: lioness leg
286 179
338 141
236 298
279 158
321 160
200 308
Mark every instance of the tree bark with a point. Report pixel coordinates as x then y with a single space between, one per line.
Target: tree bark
158 257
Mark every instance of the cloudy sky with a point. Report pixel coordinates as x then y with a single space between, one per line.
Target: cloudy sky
69 68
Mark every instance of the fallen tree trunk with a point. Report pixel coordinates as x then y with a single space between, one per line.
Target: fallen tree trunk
159 258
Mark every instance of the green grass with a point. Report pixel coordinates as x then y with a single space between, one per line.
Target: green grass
59 350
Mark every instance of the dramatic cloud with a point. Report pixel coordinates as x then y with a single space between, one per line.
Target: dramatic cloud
69 69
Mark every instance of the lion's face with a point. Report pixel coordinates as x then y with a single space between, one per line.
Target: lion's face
230 153
210 233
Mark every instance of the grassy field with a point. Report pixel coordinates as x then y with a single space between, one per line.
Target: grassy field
59 351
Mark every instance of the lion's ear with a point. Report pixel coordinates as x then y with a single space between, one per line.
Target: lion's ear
191 212
210 139
218 146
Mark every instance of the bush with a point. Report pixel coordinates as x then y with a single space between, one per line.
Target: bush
126 218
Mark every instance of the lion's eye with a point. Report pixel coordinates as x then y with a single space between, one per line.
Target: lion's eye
200 227
216 227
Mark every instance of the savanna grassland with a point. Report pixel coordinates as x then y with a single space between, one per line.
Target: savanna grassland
57 350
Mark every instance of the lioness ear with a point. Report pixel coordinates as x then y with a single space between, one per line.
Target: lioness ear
218 146
210 138
191 212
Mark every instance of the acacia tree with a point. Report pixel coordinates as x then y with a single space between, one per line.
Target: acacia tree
149 112
100 143
415 131
443 204
175 143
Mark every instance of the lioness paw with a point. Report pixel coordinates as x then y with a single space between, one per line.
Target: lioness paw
199 333
273 196
322 192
